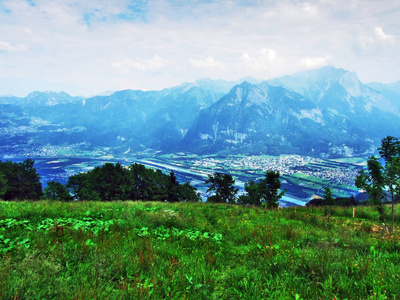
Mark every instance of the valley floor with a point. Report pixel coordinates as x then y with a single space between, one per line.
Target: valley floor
302 176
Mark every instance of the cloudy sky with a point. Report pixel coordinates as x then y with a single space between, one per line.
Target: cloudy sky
88 47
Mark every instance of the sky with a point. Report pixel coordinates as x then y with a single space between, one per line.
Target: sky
89 47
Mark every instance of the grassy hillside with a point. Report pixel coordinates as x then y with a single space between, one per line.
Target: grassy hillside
146 250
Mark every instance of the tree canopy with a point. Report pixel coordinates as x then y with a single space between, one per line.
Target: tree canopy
378 178
115 182
20 181
223 186
57 191
266 192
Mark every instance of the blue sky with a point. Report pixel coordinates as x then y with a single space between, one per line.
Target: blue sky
88 47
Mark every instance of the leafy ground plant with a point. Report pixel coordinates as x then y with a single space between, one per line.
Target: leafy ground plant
134 250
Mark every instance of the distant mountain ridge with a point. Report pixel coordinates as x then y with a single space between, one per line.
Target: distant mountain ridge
325 112
40 99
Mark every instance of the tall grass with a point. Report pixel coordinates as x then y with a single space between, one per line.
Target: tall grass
149 250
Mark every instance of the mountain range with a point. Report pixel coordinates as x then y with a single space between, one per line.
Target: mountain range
326 112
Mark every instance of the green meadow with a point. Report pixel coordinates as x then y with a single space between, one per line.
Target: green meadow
150 250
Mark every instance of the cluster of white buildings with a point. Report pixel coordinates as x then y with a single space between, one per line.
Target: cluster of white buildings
285 164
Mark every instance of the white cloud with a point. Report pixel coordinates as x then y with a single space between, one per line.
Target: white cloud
310 9
207 63
246 57
7 47
103 45
125 66
259 61
383 36
315 62
268 56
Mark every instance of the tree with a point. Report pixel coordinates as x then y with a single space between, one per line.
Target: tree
57 191
380 178
77 185
270 189
265 192
390 148
176 192
149 184
114 182
373 181
390 152
23 180
110 181
392 175
3 185
105 183
253 194
224 187
328 199
188 193
172 188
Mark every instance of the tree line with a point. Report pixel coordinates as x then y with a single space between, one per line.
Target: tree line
21 181
104 183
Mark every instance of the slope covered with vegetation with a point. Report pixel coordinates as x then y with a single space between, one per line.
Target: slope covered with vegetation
153 250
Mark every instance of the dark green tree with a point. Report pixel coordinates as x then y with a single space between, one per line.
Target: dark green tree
224 187
373 182
188 193
23 180
3 185
140 180
390 148
270 189
110 181
77 185
328 197
57 191
328 200
105 183
114 182
266 192
172 188
378 178
148 184
392 176
253 194
390 152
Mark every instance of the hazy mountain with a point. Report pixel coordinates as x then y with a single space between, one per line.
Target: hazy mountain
176 112
127 119
322 86
267 118
47 99
324 112
251 118
35 99
390 90
9 99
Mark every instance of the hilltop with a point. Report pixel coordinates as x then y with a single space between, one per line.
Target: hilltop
154 250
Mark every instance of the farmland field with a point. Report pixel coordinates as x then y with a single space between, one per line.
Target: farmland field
150 250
